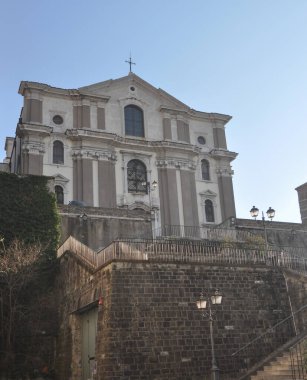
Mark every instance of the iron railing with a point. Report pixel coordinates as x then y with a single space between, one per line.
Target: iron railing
196 232
276 340
185 251
298 357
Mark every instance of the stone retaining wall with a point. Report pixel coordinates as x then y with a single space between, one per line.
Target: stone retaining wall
149 326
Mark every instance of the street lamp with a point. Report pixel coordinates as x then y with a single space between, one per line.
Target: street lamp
84 233
150 186
202 304
254 211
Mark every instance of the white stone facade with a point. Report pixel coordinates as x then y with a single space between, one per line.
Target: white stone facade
97 149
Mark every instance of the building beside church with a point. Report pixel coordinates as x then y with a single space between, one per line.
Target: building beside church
107 143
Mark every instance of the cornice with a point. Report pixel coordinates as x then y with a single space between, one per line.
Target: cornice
33 128
199 115
133 143
223 153
73 94
301 187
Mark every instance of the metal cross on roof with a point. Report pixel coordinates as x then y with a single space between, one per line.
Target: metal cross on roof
130 63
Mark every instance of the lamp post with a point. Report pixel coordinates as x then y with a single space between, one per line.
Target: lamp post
84 233
202 304
149 188
254 211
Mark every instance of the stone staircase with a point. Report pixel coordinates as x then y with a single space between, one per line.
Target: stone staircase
281 368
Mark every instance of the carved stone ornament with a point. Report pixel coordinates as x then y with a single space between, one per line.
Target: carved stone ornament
33 147
176 163
94 154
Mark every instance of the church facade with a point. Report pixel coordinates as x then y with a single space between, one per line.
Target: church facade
124 143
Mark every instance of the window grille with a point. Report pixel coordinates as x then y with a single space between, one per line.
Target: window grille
137 177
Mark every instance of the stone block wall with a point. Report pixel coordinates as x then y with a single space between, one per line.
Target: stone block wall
149 326
297 290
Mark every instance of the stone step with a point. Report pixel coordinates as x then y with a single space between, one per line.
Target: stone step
278 369
272 377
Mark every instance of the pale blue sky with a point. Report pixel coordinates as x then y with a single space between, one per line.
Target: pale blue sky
245 58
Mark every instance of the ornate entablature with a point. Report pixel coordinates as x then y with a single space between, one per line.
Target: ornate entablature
94 154
225 171
223 153
34 129
33 147
86 133
175 163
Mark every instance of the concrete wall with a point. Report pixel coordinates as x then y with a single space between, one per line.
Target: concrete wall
101 226
281 234
149 326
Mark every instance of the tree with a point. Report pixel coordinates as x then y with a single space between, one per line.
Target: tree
24 300
28 211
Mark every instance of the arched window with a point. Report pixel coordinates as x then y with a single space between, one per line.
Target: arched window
205 170
209 211
59 194
58 152
134 121
137 178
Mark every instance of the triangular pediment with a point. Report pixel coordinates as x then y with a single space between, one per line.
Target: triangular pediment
107 87
139 205
60 178
208 193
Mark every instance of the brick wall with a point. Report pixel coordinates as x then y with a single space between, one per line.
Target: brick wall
149 326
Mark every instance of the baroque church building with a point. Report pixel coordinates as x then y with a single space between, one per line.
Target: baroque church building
126 144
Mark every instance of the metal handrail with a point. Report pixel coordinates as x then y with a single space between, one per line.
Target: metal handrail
281 336
298 361
291 316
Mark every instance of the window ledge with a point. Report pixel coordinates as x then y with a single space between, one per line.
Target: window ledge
137 193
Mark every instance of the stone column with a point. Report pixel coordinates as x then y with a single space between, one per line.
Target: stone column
189 198
83 177
168 194
225 185
107 181
32 158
